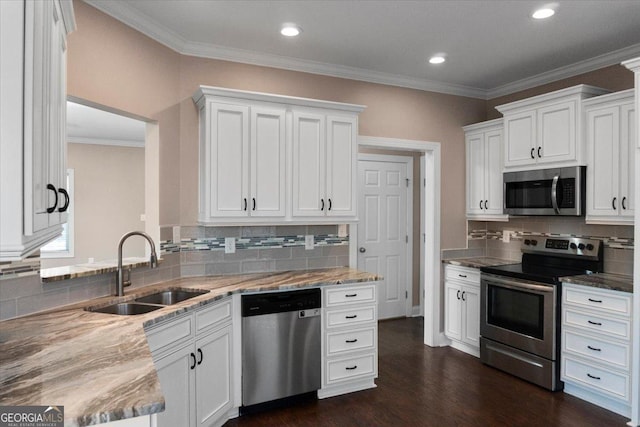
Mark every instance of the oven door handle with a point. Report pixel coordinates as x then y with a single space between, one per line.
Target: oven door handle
554 194
511 284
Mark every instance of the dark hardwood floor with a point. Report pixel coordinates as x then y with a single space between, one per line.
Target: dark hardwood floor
423 386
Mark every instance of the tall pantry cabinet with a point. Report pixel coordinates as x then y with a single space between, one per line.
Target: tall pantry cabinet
33 197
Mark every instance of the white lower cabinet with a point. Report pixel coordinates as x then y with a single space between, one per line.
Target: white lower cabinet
349 339
195 366
596 346
462 308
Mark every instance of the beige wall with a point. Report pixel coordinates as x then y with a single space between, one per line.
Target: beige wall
111 64
614 78
108 200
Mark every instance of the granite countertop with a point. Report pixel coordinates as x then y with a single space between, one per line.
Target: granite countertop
67 272
614 282
98 366
477 262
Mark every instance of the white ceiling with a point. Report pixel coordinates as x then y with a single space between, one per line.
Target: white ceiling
88 125
493 47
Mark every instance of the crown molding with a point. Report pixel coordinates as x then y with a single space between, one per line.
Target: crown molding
151 28
601 61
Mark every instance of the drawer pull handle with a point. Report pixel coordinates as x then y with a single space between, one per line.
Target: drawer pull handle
593 376
463 275
350 295
593 348
351 368
594 323
351 341
201 356
193 357
458 294
599 301
353 316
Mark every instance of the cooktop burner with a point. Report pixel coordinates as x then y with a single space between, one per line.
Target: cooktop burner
547 259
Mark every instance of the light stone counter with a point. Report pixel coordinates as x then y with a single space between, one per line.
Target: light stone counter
477 262
614 282
98 366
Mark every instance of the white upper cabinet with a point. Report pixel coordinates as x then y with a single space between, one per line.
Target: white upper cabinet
545 131
610 132
270 159
484 171
33 195
324 160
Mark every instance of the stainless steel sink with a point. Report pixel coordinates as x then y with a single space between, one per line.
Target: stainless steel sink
170 297
125 309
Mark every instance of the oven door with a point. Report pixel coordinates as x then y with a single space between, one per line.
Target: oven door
520 314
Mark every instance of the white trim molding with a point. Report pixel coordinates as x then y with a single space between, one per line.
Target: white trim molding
430 207
105 141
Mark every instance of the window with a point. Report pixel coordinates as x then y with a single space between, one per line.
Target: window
62 247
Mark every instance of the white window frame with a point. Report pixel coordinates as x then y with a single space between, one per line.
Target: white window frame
69 253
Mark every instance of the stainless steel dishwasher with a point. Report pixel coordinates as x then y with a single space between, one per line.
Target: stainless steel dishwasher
280 345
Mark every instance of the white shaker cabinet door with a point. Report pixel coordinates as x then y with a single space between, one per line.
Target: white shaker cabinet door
268 162
452 311
471 315
341 166
175 372
213 377
627 160
229 160
475 173
557 133
520 139
493 173
602 138
309 169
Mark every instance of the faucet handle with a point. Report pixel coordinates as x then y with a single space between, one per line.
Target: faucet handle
126 277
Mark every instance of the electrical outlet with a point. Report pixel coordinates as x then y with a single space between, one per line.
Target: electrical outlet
309 241
506 236
176 234
342 230
229 245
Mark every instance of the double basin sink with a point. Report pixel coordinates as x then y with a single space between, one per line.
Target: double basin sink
148 303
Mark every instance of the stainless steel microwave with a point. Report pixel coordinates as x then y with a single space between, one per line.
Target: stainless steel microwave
559 191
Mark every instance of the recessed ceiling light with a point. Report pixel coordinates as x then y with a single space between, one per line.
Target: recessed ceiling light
543 13
437 59
290 30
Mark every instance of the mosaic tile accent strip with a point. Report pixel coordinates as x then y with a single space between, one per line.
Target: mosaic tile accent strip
15 269
609 242
217 243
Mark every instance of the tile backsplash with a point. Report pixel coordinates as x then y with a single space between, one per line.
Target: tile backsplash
618 239
198 251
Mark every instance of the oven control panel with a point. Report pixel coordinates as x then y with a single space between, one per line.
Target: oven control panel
567 246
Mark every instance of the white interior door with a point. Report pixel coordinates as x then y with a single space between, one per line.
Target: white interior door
383 233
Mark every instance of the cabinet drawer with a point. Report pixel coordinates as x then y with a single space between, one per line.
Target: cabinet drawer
172 332
598 324
465 274
613 354
599 379
346 369
350 295
344 342
348 317
212 315
606 301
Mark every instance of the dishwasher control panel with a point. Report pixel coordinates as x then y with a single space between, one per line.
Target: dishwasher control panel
305 300
308 313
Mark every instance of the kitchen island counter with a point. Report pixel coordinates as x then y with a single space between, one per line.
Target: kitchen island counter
98 366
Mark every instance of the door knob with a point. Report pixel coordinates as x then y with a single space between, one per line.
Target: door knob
362 250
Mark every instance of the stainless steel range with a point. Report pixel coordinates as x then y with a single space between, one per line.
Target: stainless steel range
520 306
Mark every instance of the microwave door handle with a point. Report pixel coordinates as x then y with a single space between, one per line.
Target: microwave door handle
554 194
